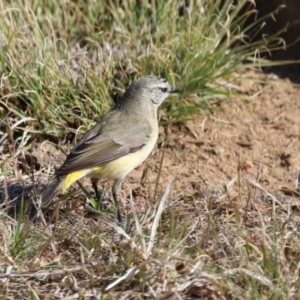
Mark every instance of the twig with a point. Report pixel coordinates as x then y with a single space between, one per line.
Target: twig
157 217
45 273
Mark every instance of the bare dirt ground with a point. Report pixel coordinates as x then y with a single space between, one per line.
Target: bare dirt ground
256 136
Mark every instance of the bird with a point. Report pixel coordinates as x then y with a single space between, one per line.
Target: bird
118 143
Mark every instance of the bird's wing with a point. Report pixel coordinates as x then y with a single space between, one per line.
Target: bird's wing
102 148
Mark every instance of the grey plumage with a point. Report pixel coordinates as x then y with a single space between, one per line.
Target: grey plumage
118 143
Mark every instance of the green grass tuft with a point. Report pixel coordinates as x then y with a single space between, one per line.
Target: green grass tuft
63 64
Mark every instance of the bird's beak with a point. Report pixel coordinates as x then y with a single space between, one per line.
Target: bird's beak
174 90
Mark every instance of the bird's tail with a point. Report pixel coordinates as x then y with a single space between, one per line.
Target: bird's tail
51 191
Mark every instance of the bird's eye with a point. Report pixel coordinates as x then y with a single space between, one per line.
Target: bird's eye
163 89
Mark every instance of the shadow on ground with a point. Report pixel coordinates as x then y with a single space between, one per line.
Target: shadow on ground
285 14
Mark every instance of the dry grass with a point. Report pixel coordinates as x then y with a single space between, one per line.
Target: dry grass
226 242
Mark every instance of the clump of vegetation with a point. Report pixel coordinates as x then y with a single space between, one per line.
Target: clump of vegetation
63 63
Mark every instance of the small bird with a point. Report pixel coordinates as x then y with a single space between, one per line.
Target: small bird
118 143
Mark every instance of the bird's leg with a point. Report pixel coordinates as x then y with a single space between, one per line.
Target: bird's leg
95 187
115 191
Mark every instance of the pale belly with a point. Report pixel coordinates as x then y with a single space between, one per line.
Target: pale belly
120 167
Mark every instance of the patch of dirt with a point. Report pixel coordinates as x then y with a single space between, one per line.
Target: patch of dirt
256 136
